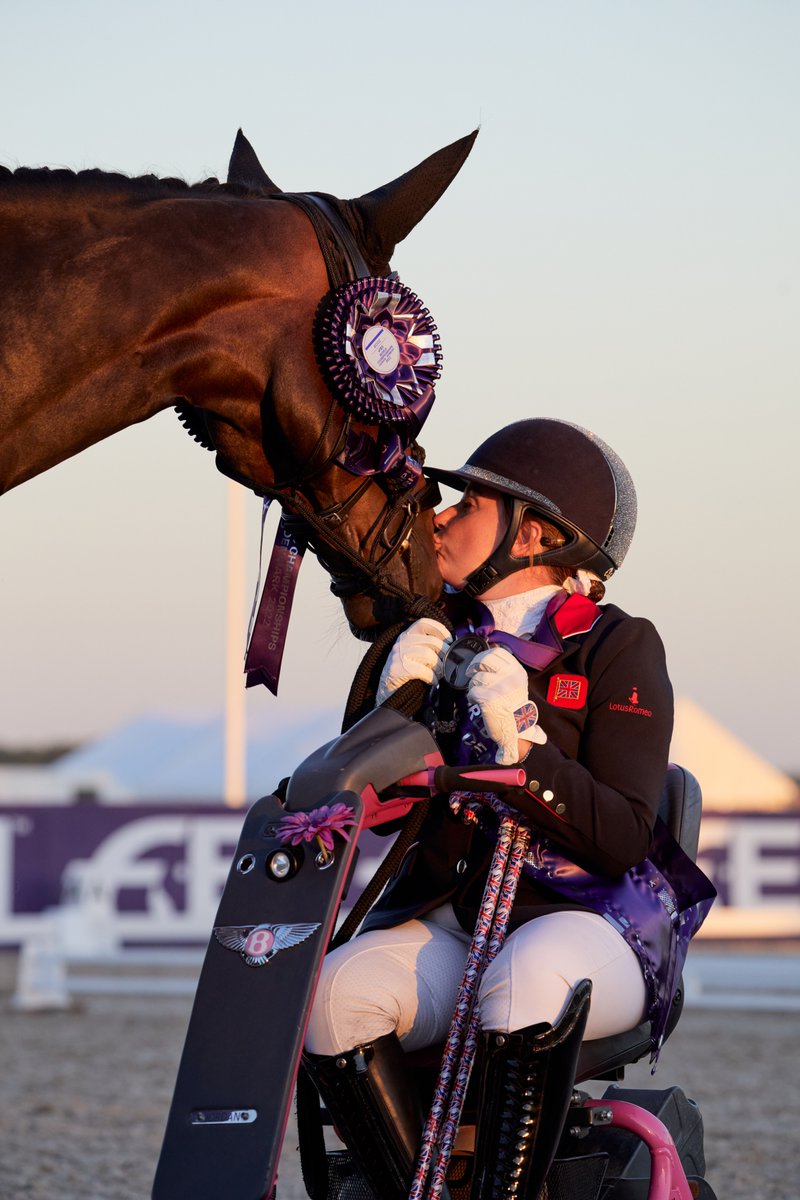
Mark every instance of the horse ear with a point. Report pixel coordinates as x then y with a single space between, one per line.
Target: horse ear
245 169
384 217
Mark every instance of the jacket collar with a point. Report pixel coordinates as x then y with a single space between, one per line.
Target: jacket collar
566 616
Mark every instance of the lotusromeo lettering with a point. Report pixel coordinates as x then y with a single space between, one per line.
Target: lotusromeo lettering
631 708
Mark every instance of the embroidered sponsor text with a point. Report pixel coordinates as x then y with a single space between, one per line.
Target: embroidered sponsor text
632 708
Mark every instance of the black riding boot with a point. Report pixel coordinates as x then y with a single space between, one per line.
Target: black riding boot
375 1109
525 1091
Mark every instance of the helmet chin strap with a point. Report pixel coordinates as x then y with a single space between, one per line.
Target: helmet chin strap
501 562
577 551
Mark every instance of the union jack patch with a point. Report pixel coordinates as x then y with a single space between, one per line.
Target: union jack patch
567 691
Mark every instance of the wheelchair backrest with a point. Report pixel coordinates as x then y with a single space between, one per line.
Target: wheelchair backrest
681 808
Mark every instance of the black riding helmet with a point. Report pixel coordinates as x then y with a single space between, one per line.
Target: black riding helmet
560 473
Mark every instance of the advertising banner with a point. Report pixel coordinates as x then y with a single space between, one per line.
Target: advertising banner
153 874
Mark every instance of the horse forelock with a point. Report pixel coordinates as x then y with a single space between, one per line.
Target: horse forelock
112 182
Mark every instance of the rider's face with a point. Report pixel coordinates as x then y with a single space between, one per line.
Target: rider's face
465 534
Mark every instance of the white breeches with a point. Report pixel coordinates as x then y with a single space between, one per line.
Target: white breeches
405 980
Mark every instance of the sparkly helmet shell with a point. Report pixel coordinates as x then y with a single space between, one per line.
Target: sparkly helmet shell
566 475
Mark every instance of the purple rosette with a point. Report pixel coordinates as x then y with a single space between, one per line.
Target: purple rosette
379 350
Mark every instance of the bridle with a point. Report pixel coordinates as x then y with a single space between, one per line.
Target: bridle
320 529
389 534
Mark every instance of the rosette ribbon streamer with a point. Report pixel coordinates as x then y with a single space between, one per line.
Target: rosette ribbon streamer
389 455
267 635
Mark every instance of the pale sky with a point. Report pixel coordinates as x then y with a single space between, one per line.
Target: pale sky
621 250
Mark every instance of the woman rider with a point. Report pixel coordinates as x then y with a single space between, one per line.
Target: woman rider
580 694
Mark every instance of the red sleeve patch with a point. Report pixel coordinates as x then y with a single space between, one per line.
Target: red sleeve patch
568 691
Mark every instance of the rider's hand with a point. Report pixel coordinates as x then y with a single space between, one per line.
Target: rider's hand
417 654
498 684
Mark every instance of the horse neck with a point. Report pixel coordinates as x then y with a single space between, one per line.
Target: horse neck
117 305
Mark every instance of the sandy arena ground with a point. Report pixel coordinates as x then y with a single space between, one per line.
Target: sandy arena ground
84 1096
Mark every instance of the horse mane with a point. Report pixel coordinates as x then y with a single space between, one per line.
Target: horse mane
110 182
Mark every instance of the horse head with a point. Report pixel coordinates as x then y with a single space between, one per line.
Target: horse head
373 533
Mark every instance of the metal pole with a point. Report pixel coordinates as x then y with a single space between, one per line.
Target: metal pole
235 786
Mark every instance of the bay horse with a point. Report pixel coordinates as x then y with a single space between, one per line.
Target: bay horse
124 296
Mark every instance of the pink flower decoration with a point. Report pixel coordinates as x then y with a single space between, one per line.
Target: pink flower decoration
321 823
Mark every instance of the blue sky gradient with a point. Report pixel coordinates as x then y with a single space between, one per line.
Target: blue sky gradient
620 250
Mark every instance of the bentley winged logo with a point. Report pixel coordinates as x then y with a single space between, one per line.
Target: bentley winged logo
257 944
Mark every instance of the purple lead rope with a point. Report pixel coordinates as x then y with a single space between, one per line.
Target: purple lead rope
490 931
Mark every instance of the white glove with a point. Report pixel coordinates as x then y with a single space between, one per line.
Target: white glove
498 684
417 654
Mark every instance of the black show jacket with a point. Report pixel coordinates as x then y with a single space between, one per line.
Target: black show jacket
606 706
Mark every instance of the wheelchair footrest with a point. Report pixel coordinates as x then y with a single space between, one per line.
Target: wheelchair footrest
345 1181
628 1172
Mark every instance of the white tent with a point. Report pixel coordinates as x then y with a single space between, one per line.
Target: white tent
160 758
733 777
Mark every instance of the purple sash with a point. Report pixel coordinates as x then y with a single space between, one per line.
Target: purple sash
657 906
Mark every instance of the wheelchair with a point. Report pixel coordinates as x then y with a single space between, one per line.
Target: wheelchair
631 1144
277 915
